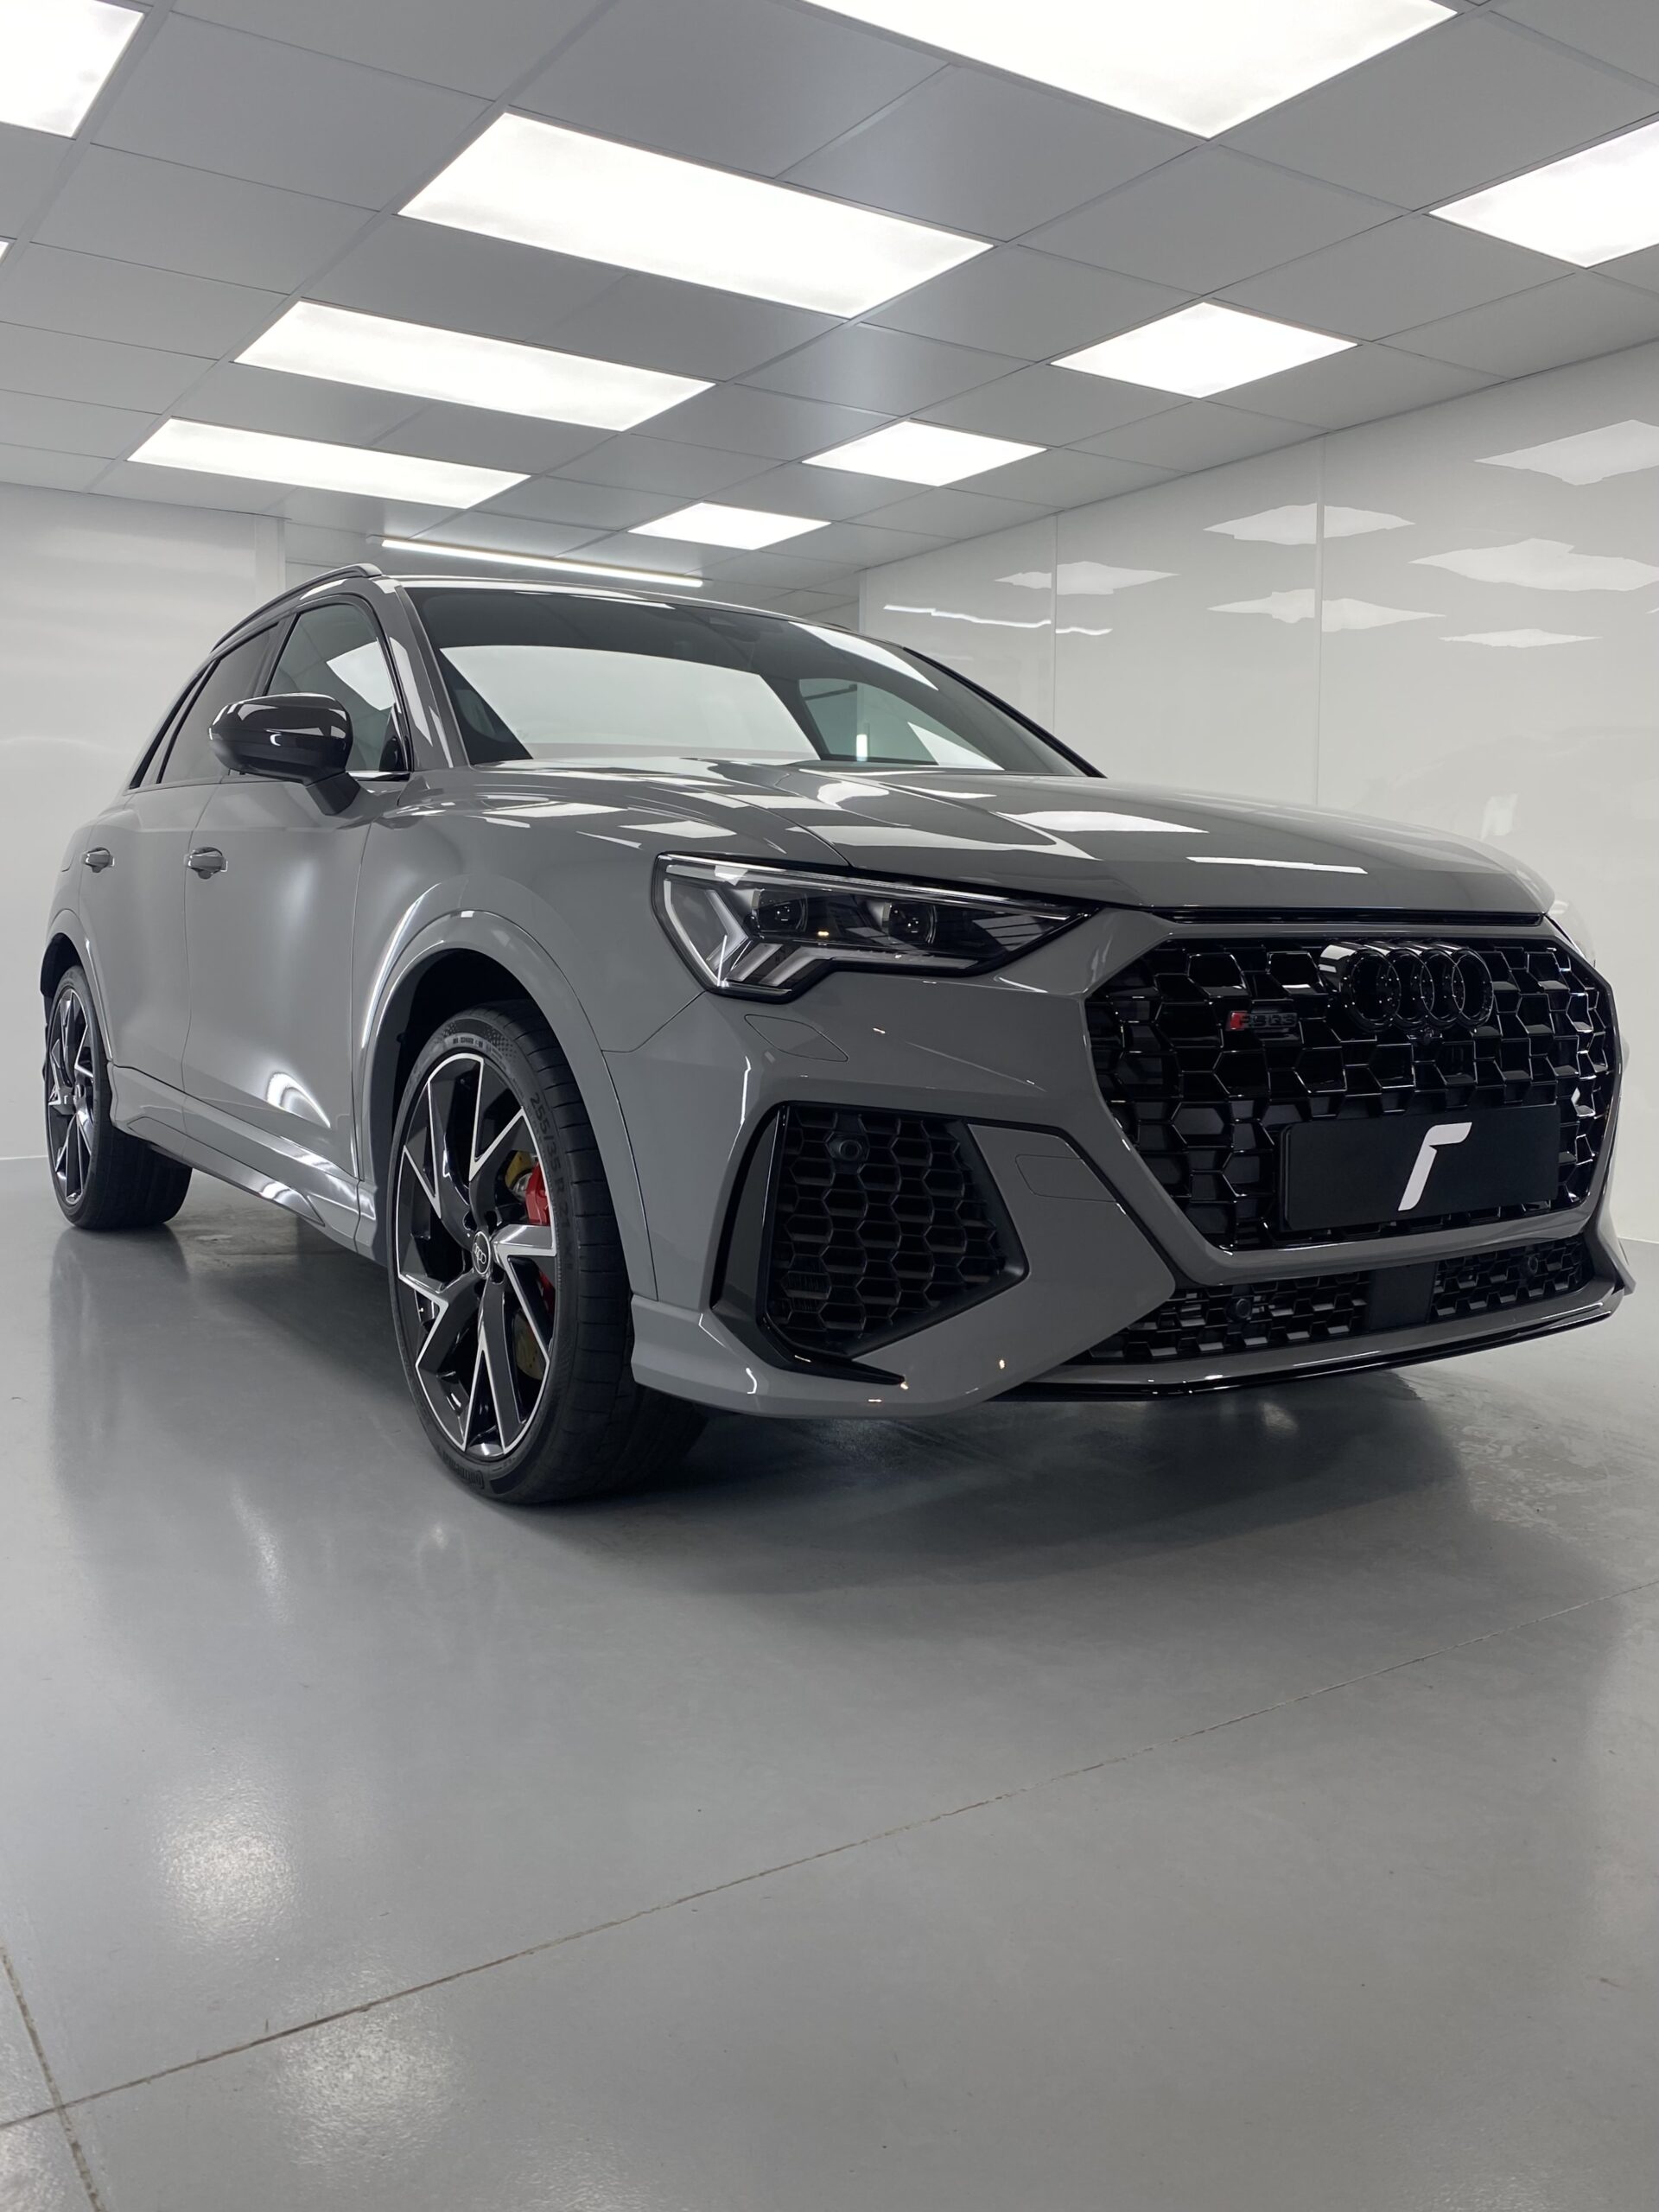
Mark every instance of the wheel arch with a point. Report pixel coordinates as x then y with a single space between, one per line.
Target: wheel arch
483 961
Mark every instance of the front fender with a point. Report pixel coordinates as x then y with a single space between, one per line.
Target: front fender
510 946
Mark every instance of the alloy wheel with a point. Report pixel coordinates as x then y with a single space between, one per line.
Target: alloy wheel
70 1096
477 1256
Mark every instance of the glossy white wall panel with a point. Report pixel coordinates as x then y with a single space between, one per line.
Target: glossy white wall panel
105 606
987 608
1177 690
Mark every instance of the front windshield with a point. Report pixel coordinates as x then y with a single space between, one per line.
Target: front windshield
540 674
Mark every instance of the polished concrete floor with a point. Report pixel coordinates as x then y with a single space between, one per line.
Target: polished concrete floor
1248 1805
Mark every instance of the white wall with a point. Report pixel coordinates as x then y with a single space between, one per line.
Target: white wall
105 606
1386 620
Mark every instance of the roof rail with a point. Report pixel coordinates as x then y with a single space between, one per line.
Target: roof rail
328 576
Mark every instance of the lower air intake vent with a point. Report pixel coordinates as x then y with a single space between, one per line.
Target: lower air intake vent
878 1223
1494 1282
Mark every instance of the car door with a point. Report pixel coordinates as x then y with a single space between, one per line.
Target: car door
269 898
131 895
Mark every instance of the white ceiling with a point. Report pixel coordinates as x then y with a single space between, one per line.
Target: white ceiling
247 153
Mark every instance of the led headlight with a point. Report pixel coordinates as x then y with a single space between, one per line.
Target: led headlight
758 932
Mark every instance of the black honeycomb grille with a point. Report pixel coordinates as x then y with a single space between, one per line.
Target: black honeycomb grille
1211 1321
1496 1282
879 1222
1207 1322
1206 1107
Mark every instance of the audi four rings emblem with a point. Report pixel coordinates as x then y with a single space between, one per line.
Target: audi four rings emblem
1424 987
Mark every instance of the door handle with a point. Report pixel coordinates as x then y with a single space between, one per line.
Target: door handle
206 860
98 858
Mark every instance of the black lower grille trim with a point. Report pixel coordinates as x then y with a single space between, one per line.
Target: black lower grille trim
877 1223
1289 1314
1207 1049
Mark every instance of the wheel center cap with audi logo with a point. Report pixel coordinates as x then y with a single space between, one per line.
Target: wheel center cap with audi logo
1426 990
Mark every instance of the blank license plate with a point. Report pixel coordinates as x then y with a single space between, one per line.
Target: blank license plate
1347 1175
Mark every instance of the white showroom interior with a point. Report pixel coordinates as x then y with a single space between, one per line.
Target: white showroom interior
1106 1790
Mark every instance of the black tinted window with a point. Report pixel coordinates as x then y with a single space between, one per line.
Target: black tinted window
558 676
190 759
337 650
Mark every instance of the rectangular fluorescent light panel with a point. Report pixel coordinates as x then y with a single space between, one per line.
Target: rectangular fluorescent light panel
921 453
708 524
55 58
347 347
1200 65
1204 349
434 551
1592 207
568 192
220 452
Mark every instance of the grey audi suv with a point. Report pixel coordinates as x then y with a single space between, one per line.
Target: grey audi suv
698 1008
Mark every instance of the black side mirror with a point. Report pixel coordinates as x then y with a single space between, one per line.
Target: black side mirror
300 737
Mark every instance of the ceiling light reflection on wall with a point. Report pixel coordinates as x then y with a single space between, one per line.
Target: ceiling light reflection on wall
218 451
55 56
1204 349
1591 207
438 552
707 523
952 614
1520 639
568 192
1587 456
1200 65
1544 564
921 453
1300 525
347 347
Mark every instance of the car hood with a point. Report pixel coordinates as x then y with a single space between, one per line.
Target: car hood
1079 838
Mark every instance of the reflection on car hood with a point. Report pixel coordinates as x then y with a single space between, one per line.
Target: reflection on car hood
1082 837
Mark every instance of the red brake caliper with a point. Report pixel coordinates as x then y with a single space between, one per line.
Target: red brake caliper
538 1209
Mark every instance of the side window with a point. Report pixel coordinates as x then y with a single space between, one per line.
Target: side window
337 649
190 759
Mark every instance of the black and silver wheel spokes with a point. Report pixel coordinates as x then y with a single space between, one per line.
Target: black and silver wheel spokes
476 1256
70 1096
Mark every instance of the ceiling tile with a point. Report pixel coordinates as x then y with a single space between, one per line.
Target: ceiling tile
867 545
1542 329
424 272
775 426
28 160
483 47
950 512
67 367
1200 435
655 322
1641 268
1064 478
743 83
244 107
1208 219
348 511
591 506
979 152
639 463
1407 272
1030 305
71 425
172 217
186 487
1462 106
54 471
621 550
1623 32
782 568
832 495
295 407
503 533
1051 407
888 370
480 438
1357 386
83 292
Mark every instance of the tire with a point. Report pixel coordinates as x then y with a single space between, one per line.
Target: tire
102 1178
509 1292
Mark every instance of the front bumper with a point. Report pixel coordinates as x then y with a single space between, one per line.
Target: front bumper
1007 1055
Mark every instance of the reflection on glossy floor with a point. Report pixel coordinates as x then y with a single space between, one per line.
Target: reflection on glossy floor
1239 1804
